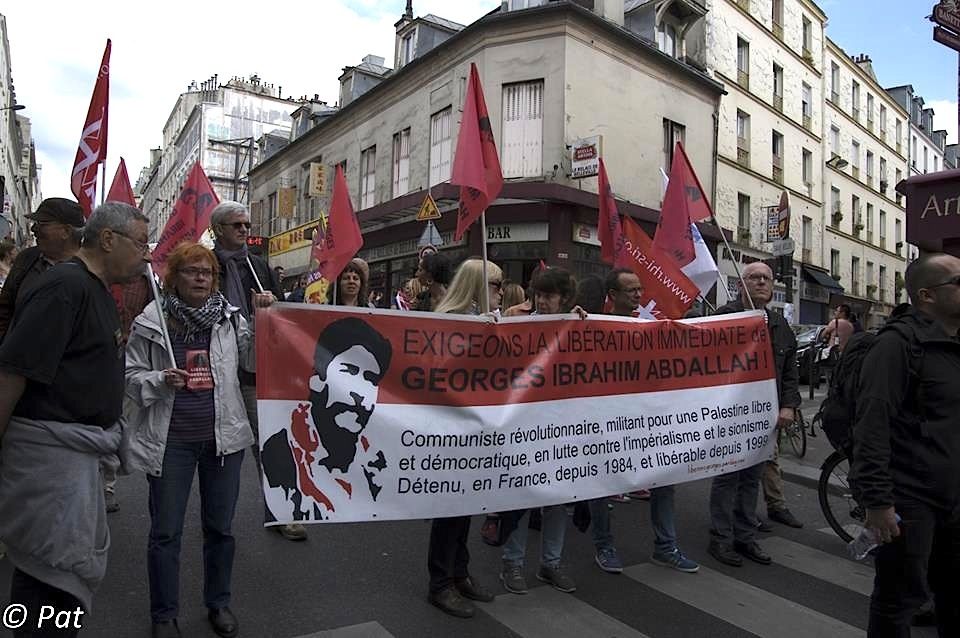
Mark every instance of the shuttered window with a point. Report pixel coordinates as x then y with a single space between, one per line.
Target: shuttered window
368 177
401 162
440 146
521 152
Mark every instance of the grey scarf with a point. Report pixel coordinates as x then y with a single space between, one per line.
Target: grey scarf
232 286
196 320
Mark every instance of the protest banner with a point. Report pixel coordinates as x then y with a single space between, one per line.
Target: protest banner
366 415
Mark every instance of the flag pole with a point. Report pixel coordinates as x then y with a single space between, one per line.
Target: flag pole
483 243
735 266
254 273
163 321
103 180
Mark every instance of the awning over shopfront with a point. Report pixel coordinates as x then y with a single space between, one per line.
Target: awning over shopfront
821 278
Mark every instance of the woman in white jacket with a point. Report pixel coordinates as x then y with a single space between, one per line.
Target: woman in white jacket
189 419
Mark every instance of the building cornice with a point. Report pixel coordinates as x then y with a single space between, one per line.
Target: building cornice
781 43
879 90
809 133
749 171
864 129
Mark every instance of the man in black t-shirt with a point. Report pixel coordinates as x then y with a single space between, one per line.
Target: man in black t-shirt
61 393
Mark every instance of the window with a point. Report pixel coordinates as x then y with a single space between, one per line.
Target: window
836 211
777 150
899 128
743 214
855 211
522 143
835 263
368 177
807 40
778 87
883 229
835 141
882 282
870 224
807 239
401 162
855 159
406 48
672 133
897 180
776 18
883 175
924 159
869 169
834 82
898 235
883 122
667 39
743 63
869 112
870 285
807 106
743 138
913 155
855 274
936 163
807 169
440 146
855 100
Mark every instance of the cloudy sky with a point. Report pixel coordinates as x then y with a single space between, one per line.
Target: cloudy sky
159 48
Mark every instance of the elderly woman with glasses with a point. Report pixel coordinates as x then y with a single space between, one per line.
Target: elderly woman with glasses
188 419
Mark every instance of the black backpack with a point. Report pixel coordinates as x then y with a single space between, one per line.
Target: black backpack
837 413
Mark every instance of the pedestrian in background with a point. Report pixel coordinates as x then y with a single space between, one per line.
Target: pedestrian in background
8 252
353 285
61 396
189 419
433 274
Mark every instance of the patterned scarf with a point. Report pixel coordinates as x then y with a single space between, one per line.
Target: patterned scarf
196 320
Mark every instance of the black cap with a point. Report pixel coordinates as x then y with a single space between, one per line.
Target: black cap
59 209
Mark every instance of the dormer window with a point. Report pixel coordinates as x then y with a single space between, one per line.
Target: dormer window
667 39
406 48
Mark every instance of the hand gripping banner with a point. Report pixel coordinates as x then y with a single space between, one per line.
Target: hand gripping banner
383 415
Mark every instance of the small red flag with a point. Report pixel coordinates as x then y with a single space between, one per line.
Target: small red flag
120 189
190 217
92 150
683 203
476 167
609 230
334 249
667 292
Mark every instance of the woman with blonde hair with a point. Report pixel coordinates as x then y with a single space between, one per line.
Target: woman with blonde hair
513 294
447 558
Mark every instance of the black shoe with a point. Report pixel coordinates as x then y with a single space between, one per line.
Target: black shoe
223 621
165 629
725 554
754 552
784 517
450 601
469 589
763 526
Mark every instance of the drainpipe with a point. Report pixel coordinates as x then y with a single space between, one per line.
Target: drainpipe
824 143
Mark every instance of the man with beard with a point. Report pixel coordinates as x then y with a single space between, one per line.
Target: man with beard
324 459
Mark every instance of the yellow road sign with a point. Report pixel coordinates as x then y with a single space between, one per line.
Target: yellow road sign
428 210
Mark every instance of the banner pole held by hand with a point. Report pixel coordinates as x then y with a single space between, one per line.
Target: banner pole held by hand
163 321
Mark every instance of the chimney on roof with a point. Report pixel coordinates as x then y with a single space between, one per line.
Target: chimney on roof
408 12
373 59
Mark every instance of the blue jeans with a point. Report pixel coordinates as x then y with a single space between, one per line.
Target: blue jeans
733 505
600 524
169 493
662 521
552 532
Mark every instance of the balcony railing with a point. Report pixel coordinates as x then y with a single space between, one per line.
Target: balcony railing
869 236
869 180
744 4
778 102
899 148
807 122
883 134
807 55
834 97
743 235
870 125
778 174
743 155
855 171
883 242
855 286
778 31
855 113
743 79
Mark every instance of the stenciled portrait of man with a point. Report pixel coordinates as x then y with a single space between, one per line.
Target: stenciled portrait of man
326 458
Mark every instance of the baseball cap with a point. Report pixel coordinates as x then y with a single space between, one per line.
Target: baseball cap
59 209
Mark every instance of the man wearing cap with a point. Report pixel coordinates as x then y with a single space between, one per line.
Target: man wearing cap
57 226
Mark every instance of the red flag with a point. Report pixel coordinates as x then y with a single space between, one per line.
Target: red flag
93 141
543 265
476 167
333 250
190 217
120 189
609 231
667 292
683 203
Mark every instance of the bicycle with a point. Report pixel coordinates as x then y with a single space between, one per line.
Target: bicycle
796 434
842 511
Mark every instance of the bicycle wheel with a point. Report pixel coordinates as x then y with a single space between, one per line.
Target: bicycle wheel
843 513
797 431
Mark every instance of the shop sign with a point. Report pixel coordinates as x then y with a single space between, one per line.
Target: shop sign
501 233
292 239
585 234
585 157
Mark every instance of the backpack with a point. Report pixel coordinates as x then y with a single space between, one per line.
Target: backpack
837 412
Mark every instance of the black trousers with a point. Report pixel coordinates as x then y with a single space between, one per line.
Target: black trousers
33 594
448 556
927 551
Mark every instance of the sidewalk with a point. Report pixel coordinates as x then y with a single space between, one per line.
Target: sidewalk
806 471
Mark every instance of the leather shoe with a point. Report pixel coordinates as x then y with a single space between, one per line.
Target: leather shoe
784 517
754 552
292 532
725 554
473 591
764 526
223 621
165 629
450 601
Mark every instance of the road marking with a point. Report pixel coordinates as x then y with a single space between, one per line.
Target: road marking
740 604
363 630
837 570
546 613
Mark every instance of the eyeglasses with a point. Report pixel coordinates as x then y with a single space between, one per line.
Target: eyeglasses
497 284
206 273
239 225
953 281
142 246
758 278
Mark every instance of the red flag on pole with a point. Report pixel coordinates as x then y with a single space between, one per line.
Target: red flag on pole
609 230
190 217
92 150
476 167
333 250
667 292
683 203
120 189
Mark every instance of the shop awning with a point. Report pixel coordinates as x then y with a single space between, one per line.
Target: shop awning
821 278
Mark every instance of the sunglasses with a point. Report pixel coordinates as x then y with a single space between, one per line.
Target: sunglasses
239 225
497 284
953 281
